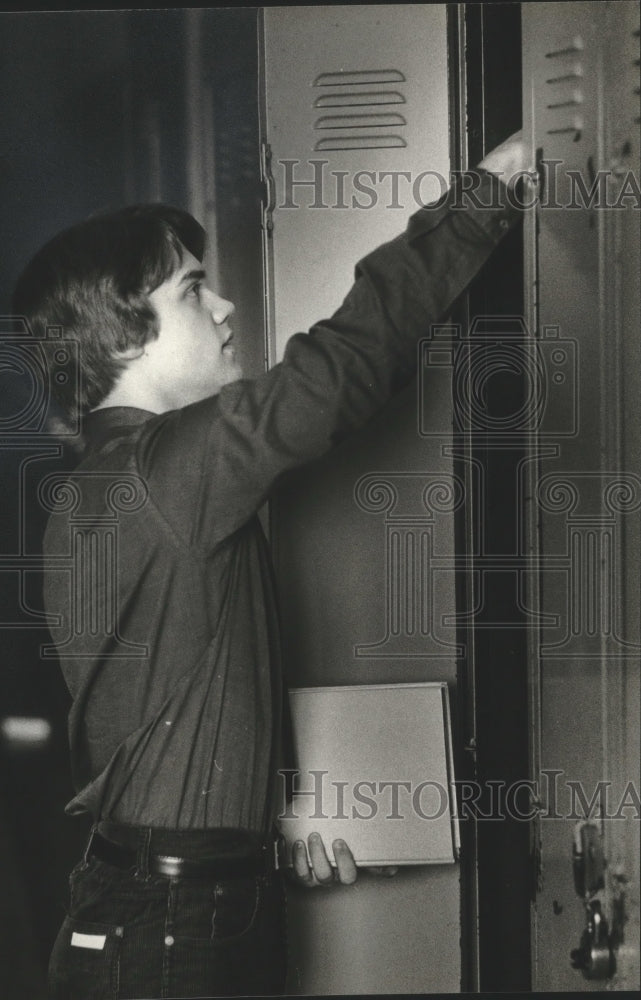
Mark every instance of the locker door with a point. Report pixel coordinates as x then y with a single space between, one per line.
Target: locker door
361 94
586 489
621 285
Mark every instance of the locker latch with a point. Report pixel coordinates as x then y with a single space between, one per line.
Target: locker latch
588 860
595 955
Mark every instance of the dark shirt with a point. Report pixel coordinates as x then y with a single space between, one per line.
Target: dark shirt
168 636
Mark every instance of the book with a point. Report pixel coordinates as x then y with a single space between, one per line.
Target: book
373 768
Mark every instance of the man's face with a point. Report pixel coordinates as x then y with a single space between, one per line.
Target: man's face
193 356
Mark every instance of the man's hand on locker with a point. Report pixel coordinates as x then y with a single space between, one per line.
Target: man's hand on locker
511 160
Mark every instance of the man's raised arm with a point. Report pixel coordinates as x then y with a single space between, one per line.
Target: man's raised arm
334 378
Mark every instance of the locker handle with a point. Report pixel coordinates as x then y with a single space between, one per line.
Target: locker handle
269 200
588 860
540 172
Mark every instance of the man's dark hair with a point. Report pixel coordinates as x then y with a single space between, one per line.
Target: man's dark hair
93 281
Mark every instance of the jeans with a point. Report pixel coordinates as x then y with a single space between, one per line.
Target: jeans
132 934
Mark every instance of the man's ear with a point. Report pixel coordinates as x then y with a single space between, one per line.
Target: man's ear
130 353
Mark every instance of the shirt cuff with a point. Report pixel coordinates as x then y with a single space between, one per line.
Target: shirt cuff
478 194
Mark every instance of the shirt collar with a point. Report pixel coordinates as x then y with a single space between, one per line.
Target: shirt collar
100 424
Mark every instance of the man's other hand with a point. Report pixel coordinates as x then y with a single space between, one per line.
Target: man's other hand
316 869
312 867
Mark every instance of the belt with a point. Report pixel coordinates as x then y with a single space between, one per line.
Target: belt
260 862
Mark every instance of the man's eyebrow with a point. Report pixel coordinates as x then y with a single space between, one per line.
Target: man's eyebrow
192 276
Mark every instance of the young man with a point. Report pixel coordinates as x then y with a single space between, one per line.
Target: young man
166 626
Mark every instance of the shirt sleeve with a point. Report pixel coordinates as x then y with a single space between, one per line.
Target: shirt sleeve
210 465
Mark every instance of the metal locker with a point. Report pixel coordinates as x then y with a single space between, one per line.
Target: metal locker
622 434
584 484
361 107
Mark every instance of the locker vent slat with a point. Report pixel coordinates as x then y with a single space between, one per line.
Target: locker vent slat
361 142
359 77
356 99
370 120
353 127
576 45
564 88
636 90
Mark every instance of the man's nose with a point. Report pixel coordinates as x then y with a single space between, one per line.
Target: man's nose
221 309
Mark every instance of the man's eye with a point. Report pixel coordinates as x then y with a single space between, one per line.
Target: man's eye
195 289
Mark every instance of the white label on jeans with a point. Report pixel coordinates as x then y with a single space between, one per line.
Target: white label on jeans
96 941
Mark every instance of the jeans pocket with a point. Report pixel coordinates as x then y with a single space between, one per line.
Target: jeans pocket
229 944
236 906
85 961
